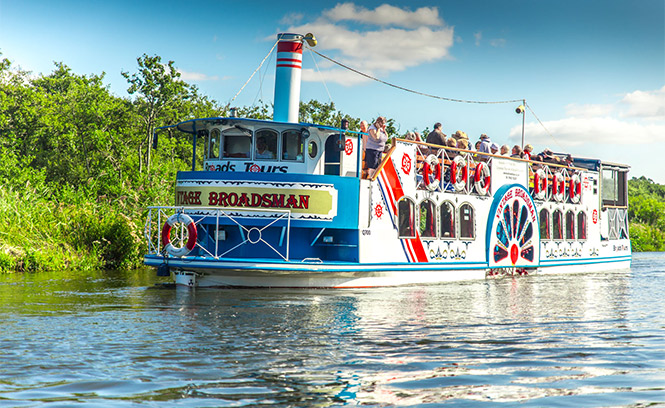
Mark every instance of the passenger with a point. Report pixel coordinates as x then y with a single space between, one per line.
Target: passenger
410 136
494 148
569 160
517 152
460 135
504 150
436 136
376 143
477 146
528 151
463 144
364 126
262 151
547 156
485 144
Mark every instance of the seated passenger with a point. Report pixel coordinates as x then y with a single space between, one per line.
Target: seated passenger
262 151
517 152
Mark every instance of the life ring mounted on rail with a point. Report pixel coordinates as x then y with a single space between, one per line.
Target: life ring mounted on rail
459 173
180 218
558 187
432 162
540 184
482 178
575 188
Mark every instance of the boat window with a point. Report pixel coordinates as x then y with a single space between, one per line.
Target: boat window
237 143
570 225
312 149
557 225
614 187
266 144
545 224
581 225
406 218
427 221
466 223
213 147
293 145
447 220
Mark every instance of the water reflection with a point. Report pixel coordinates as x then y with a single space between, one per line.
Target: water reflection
116 339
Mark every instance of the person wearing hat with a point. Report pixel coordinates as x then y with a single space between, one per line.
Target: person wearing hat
485 144
494 148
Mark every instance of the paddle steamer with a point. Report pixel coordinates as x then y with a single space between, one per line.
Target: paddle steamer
283 204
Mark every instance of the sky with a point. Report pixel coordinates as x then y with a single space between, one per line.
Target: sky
592 72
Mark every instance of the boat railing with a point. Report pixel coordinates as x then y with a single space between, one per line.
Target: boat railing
204 218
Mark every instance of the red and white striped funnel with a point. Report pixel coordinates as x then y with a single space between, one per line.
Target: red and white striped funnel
287 76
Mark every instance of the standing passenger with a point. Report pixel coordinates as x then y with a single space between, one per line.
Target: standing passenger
437 136
376 142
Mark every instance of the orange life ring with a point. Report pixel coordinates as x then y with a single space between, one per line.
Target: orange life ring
459 178
482 178
180 218
540 184
575 188
432 161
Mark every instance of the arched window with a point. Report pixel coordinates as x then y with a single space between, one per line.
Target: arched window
466 222
545 224
406 218
581 225
237 143
570 225
447 220
427 221
293 145
557 225
266 144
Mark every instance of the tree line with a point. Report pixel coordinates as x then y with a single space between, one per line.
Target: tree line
77 167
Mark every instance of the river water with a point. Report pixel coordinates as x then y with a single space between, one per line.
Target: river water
119 340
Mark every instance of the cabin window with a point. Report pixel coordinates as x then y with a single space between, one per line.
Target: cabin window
557 225
293 145
406 218
614 187
312 149
237 143
215 140
427 225
266 144
545 224
581 225
570 225
466 223
447 220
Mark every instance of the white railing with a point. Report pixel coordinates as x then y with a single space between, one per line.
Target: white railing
251 235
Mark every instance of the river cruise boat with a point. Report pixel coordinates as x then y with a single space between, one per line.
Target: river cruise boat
284 204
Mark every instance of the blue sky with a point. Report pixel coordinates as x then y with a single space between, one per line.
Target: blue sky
592 71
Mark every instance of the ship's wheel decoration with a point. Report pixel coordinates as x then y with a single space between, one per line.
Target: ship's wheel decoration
406 163
254 168
348 147
514 233
378 210
514 236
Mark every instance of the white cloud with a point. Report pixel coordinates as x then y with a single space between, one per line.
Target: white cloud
645 104
637 118
478 36
196 76
385 15
382 50
498 42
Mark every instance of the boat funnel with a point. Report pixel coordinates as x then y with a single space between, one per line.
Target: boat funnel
288 74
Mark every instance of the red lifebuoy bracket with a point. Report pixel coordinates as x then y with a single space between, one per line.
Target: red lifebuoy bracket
558 186
180 218
575 188
540 184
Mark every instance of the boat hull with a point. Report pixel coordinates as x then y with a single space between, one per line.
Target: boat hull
215 273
